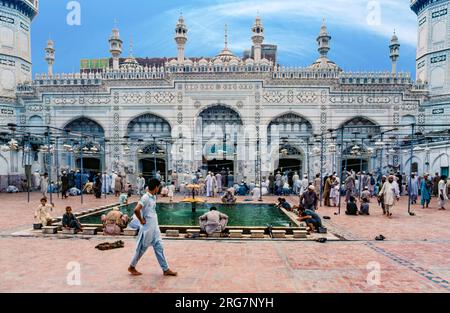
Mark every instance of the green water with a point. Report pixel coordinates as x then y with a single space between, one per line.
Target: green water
181 214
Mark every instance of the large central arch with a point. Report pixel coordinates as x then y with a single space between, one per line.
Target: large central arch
291 131
219 126
151 154
92 161
359 129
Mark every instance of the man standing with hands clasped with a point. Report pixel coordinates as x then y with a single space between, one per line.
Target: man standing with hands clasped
149 233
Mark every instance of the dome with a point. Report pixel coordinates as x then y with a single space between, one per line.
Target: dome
203 62
226 56
324 63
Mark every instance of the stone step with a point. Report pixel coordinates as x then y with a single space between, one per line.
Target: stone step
300 234
90 231
193 231
130 232
216 234
279 233
37 226
66 231
236 233
172 233
257 233
49 229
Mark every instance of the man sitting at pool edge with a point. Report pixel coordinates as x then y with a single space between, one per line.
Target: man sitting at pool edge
229 197
69 221
213 221
311 218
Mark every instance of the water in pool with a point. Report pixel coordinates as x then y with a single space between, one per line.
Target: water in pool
181 214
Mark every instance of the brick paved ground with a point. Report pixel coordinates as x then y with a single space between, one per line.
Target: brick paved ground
415 257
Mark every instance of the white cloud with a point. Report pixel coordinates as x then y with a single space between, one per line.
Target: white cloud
351 14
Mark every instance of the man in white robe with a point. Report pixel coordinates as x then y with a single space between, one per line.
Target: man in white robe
149 233
210 183
213 221
219 182
36 180
113 182
390 192
140 184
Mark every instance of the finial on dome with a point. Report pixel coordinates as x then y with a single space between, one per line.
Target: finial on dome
226 36
131 45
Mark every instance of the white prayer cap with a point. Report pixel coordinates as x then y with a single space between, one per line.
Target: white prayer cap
311 187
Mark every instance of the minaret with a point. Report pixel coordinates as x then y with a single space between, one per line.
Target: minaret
50 57
323 40
258 39
181 38
115 47
394 54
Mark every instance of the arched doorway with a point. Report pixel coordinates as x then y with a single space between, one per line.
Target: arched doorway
292 132
359 132
219 126
92 151
150 135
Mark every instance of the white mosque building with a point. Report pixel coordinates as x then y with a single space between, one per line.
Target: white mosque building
186 113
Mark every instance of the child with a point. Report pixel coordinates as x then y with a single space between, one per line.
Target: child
334 196
171 191
364 207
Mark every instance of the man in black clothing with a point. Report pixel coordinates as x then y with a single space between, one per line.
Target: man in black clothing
64 185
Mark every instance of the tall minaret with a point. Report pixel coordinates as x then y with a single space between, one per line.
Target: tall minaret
394 54
50 57
181 38
323 40
257 38
115 47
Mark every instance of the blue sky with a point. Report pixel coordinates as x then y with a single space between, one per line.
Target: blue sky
360 30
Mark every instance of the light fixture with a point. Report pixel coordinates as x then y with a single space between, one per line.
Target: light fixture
418 149
391 151
379 143
94 149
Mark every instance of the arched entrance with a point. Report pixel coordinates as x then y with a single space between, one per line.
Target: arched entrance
219 126
150 135
357 135
92 151
292 133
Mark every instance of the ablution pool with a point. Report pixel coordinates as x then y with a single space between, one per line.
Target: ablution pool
180 214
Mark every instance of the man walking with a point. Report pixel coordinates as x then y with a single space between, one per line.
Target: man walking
149 233
390 193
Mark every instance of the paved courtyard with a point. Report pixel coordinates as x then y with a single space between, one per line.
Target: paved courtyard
414 258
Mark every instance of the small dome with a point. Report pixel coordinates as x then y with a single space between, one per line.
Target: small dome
203 62
324 63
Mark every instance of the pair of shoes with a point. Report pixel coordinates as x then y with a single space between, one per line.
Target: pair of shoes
322 240
169 272
326 218
380 238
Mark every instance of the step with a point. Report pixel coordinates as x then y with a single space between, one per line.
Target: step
37 226
130 232
90 231
236 233
300 234
216 234
49 229
66 231
193 231
279 233
172 233
257 233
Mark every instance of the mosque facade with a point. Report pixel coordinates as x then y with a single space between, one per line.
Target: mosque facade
246 113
